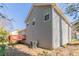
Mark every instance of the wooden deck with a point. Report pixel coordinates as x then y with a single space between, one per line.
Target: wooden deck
74 43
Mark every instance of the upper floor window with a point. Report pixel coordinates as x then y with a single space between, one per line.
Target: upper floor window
46 17
33 22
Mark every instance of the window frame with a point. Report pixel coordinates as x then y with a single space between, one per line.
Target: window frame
48 18
34 20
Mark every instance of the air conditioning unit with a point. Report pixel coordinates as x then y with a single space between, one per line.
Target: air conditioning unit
34 44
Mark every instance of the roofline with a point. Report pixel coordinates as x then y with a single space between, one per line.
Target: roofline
22 30
30 11
53 5
59 11
26 19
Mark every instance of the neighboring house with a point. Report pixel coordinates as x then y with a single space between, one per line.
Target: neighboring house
14 32
77 34
22 33
48 25
14 36
75 29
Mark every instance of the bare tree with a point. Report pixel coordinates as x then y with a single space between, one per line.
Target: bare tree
5 22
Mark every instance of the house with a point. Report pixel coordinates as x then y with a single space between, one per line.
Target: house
75 30
22 32
48 25
77 35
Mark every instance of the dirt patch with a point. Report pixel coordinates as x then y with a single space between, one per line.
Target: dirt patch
24 50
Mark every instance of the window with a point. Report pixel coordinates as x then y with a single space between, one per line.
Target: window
27 24
46 17
33 23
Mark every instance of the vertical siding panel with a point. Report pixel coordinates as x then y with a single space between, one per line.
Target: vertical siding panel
64 32
70 34
56 30
60 31
52 26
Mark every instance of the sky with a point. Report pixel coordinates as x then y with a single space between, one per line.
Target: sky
63 6
19 11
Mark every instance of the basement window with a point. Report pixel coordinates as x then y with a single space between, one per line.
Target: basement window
46 17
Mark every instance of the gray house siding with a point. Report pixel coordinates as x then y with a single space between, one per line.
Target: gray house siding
51 33
42 30
70 36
